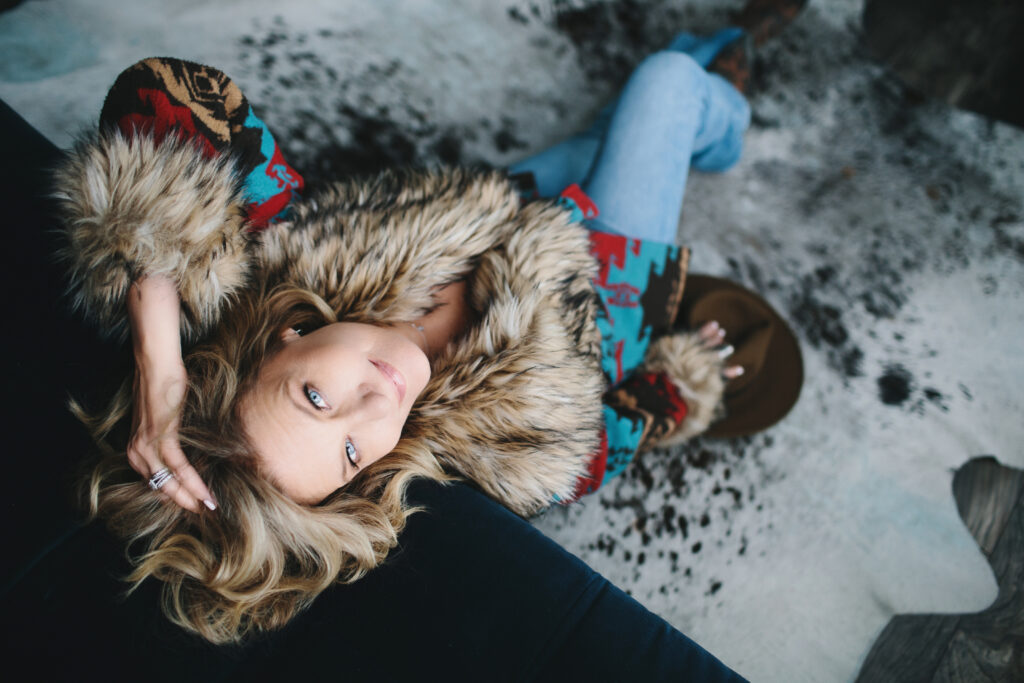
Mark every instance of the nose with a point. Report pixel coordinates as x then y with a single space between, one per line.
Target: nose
374 402
367 401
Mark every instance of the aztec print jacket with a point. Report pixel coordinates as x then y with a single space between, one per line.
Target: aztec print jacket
184 180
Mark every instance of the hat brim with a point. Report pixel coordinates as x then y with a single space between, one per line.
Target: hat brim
762 399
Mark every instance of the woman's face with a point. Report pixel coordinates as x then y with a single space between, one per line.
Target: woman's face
332 402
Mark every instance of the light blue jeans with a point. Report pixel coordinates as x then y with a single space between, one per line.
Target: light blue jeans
634 160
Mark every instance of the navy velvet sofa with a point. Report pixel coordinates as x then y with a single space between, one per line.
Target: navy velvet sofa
472 592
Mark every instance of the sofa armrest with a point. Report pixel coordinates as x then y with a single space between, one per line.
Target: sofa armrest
472 592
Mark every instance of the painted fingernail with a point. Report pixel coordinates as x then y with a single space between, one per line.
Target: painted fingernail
210 504
726 351
721 332
737 371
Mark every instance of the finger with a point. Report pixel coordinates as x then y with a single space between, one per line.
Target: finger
726 351
137 462
146 464
177 493
145 460
732 372
187 475
150 462
711 335
708 330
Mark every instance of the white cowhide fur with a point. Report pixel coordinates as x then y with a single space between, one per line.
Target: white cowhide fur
886 228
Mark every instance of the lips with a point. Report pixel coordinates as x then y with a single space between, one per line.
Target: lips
393 376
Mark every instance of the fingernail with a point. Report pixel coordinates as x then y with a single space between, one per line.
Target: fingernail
210 504
726 351
737 371
721 331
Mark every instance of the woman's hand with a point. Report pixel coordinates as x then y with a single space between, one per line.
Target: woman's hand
712 335
160 385
159 392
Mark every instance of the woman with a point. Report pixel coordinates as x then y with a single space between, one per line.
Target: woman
413 324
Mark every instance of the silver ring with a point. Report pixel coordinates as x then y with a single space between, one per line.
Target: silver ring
159 478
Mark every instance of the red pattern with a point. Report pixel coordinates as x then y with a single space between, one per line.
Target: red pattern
260 215
619 346
610 250
675 406
584 203
166 117
178 119
290 183
287 178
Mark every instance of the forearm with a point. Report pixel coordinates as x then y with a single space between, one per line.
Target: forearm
161 381
154 313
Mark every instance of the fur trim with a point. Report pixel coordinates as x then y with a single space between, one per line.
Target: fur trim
132 208
526 384
515 405
376 249
696 371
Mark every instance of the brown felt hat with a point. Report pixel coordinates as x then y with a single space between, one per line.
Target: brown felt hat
765 346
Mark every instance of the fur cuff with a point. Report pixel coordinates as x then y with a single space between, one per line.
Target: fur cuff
697 372
133 207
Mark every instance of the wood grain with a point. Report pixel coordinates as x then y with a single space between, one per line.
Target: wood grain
986 494
986 646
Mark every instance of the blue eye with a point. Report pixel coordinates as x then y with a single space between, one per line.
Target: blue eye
351 453
315 398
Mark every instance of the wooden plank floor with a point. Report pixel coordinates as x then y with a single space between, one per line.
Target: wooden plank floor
989 645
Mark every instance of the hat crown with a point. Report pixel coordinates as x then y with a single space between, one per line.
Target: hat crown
763 344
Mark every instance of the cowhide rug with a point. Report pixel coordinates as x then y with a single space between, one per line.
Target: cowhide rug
888 229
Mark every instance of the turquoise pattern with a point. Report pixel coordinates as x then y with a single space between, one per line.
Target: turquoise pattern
627 267
626 272
624 436
269 178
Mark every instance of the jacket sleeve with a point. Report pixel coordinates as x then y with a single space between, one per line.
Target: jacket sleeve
694 372
674 395
180 173
132 207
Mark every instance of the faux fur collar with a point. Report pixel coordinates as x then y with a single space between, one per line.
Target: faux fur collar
515 405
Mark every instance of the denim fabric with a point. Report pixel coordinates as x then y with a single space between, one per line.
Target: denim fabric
634 160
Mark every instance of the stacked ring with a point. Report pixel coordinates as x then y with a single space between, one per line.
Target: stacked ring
159 478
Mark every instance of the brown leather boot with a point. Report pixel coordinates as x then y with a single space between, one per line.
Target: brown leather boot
734 62
764 19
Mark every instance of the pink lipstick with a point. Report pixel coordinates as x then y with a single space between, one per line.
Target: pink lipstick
393 375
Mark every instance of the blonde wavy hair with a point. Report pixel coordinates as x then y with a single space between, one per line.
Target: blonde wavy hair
260 558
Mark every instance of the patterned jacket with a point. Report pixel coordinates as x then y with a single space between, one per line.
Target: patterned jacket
521 406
